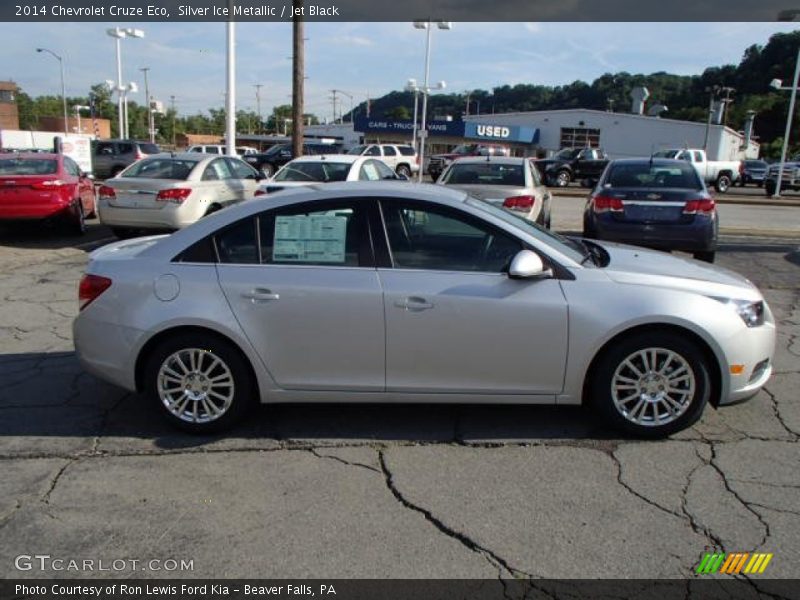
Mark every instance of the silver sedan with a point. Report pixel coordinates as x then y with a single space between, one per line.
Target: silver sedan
386 292
513 183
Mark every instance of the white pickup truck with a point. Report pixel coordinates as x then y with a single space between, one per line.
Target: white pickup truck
722 173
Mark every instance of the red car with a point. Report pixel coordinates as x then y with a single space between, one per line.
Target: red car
50 187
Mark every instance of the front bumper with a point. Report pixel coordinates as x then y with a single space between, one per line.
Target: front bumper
754 348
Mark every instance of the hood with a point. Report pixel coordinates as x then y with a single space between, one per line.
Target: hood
640 266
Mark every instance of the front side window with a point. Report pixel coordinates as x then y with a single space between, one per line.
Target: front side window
217 170
428 237
240 169
104 150
373 151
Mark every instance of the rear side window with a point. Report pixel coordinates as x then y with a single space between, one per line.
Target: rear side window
406 150
104 149
125 148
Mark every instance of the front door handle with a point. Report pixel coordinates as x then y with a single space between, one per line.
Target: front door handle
259 295
413 304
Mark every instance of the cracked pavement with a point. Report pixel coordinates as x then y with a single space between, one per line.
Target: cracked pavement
365 491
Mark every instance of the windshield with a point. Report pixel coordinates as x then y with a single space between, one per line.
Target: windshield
485 174
160 168
564 245
314 171
676 175
568 153
28 166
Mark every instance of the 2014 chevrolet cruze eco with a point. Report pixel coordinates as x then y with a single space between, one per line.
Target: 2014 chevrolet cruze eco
384 292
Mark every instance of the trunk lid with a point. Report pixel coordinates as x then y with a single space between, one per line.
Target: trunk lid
134 192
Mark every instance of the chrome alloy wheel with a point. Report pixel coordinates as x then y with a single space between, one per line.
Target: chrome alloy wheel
195 385
653 386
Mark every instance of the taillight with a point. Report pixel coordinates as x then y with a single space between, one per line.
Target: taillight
91 287
106 191
48 186
521 203
260 193
603 204
703 206
176 195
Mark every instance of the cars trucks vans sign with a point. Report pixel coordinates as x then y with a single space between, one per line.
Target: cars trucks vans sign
462 129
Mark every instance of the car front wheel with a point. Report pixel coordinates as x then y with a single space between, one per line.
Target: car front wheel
651 384
267 170
562 179
200 382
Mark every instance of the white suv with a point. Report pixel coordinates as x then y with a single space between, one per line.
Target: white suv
220 149
400 157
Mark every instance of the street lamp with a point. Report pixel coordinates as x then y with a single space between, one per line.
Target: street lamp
122 97
423 132
63 88
778 85
412 86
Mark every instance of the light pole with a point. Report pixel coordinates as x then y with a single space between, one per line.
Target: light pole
151 128
777 84
258 87
423 131
63 87
340 112
412 86
122 97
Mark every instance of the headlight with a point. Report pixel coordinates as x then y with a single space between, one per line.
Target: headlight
752 313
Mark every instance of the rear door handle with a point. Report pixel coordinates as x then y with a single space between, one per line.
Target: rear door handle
413 304
259 295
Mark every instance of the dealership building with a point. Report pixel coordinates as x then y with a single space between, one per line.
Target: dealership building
541 133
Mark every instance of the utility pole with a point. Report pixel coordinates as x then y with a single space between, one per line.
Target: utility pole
258 87
466 111
298 69
172 103
150 124
334 106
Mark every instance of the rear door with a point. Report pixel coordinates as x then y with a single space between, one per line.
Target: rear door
308 296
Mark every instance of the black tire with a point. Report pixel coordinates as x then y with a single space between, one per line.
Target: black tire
706 256
769 188
124 233
548 219
588 230
267 170
434 175
232 365
723 183
561 179
614 358
404 171
76 222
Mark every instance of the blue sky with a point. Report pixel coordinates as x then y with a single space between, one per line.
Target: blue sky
188 59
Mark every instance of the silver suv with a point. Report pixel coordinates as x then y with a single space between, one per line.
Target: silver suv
110 157
400 157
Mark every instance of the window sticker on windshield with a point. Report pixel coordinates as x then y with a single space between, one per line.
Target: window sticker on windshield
314 238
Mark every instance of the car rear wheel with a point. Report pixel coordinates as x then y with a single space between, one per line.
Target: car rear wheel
651 384
76 223
723 183
404 171
200 382
124 233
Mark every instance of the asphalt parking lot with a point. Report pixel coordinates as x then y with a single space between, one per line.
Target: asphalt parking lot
92 472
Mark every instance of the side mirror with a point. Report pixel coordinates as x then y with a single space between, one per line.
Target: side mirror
528 265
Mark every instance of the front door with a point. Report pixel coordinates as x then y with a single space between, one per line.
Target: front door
455 322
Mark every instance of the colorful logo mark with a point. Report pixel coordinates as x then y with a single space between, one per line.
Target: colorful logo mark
733 563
